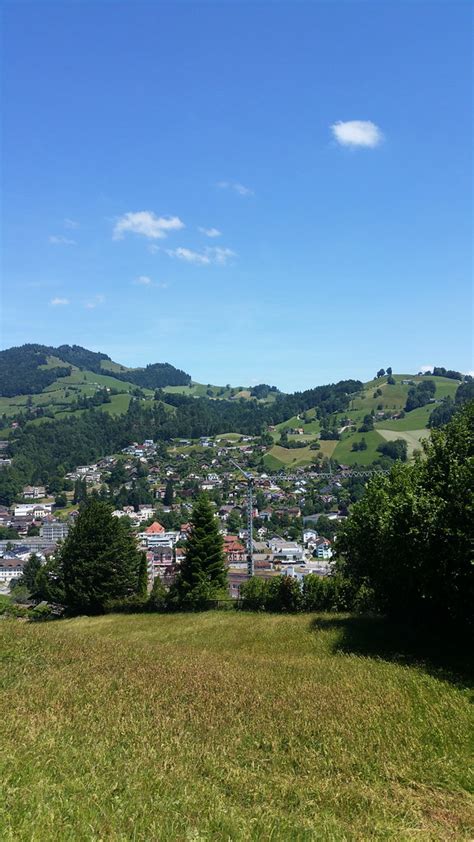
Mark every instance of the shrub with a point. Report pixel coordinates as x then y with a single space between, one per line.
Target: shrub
284 594
253 594
157 601
134 604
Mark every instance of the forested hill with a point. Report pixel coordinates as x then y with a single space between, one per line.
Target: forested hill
29 369
40 452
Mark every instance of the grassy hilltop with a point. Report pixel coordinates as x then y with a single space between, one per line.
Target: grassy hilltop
227 726
412 428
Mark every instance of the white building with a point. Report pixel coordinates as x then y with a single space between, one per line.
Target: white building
33 509
54 531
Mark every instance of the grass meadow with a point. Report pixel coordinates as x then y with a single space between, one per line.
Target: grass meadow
229 726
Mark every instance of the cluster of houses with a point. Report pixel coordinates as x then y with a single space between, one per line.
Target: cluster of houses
37 529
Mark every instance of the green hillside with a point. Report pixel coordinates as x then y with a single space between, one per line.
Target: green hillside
412 428
77 378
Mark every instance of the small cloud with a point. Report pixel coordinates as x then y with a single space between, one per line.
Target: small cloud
59 302
145 281
147 224
210 232
425 368
189 256
61 241
236 187
215 255
94 302
220 255
70 223
357 133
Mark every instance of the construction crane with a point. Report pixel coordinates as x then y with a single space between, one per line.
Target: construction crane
250 485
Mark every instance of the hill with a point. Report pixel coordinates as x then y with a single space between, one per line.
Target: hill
29 369
228 725
349 422
60 382
385 402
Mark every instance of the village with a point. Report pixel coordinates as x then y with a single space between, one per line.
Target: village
295 517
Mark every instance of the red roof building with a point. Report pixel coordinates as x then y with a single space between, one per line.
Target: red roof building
155 528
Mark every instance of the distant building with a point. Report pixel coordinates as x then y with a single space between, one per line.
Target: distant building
323 548
234 551
54 530
34 492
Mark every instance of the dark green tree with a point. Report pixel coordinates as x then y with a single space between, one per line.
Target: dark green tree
169 493
100 560
157 601
203 574
30 572
49 581
234 522
409 538
142 587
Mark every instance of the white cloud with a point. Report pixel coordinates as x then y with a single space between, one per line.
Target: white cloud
146 224
61 241
236 186
70 223
58 302
220 255
210 232
145 281
94 302
215 255
189 256
357 133
425 368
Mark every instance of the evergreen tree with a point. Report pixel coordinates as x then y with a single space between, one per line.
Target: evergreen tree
49 582
142 587
30 571
169 493
203 574
100 560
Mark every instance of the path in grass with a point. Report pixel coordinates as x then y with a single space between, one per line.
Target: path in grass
225 726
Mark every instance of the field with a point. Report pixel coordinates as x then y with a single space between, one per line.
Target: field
413 438
346 456
228 726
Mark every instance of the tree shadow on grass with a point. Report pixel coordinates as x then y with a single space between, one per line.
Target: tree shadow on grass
435 652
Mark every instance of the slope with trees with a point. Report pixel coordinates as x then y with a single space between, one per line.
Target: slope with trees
409 538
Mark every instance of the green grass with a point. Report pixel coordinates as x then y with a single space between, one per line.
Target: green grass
412 437
227 726
109 365
394 397
289 457
55 362
118 405
346 456
414 420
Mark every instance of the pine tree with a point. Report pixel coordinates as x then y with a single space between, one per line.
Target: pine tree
203 574
30 571
169 493
100 560
142 588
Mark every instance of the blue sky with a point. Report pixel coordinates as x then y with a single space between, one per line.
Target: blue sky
274 192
